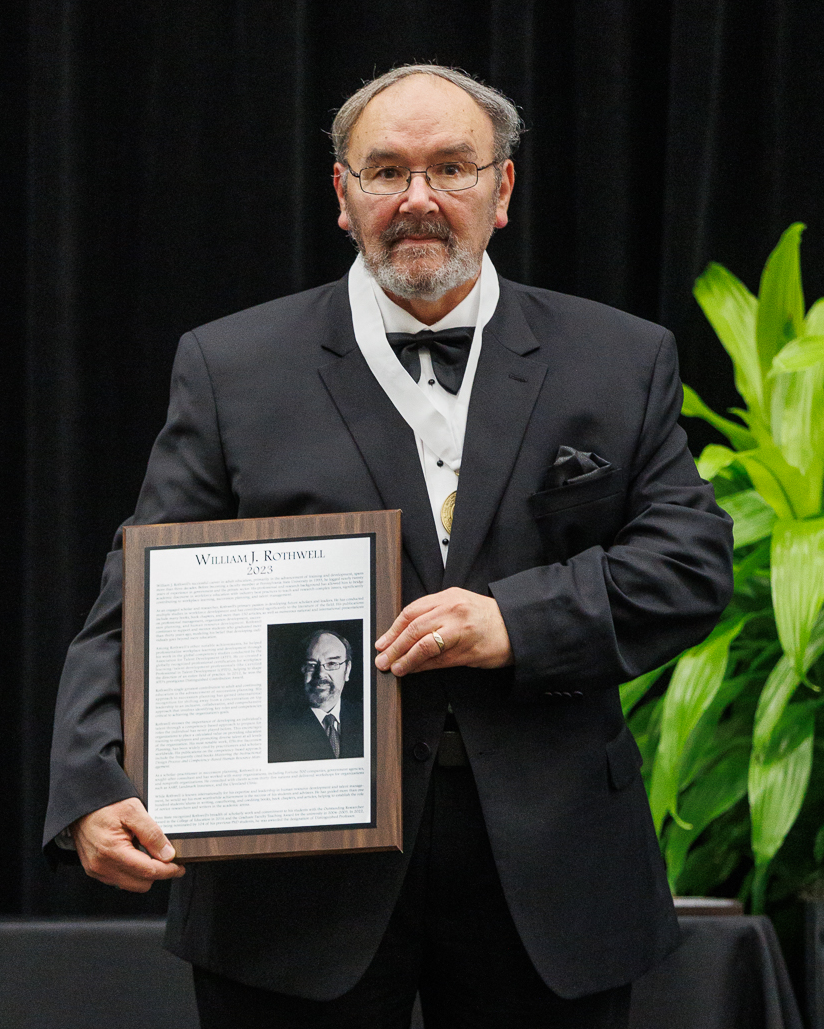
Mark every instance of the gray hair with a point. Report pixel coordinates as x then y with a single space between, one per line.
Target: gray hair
506 122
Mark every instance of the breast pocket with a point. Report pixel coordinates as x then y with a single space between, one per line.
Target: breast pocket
580 515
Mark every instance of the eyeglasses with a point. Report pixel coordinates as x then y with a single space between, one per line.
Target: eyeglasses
310 667
450 177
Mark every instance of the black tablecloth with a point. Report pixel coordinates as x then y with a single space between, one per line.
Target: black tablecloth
92 973
728 973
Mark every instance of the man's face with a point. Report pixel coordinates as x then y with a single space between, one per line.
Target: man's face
424 242
321 684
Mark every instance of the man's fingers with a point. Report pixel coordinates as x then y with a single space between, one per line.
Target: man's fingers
423 652
417 634
149 834
470 624
417 648
404 620
107 840
130 869
413 623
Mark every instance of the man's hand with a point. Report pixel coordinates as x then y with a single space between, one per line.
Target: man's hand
469 624
107 841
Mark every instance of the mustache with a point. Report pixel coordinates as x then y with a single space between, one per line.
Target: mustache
413 228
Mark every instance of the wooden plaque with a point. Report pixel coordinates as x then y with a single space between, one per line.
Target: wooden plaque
224 629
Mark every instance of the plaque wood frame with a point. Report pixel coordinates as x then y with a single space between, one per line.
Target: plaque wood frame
385 529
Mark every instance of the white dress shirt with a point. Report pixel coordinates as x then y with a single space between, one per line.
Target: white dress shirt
437 417
320 714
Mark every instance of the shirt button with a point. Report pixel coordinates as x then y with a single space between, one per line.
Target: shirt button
431 382
445 542
421 751
440 463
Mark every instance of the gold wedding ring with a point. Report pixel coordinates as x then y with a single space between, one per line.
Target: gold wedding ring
439 640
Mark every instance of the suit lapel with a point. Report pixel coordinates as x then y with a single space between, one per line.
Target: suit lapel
506 387
317 734
385 441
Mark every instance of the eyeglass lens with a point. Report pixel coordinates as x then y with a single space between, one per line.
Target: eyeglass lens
310 667
388 179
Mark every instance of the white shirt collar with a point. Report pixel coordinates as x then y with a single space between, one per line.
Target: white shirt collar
442 435
320 714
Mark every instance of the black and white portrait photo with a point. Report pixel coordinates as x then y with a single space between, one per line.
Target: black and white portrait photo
315 674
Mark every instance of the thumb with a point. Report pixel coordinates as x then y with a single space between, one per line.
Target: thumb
149 834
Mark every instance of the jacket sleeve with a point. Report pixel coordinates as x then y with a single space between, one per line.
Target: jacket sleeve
604 616
186 480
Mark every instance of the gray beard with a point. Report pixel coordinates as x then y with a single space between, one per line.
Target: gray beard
461 265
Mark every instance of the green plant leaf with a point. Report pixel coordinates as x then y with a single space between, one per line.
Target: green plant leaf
804 352
753 570
814 322
801 435
635 689
694 407
712 861
714 458
780 311
778 780
773 489
731 310
718 789
712 737
781 684
752 518
780 386
645 718
767 483
757 426
797 564
696 679
801 423
783 487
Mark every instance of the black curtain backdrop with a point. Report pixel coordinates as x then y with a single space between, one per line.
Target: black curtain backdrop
167 163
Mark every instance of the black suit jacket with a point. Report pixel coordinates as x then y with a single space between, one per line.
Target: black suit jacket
295 734
597 582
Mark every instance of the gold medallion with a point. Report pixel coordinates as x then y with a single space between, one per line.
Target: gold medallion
448 511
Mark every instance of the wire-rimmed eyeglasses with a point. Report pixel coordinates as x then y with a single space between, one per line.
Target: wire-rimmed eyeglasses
310 667
448 177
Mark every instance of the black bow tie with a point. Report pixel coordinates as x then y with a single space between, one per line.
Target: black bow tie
448 348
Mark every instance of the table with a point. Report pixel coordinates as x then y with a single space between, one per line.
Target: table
728 973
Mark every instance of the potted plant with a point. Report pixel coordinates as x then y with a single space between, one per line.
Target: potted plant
729 744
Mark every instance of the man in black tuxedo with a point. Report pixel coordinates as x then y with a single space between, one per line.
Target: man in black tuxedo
324 725
580 549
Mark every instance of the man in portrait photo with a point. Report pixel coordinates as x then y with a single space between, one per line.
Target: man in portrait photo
557 541
321 724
